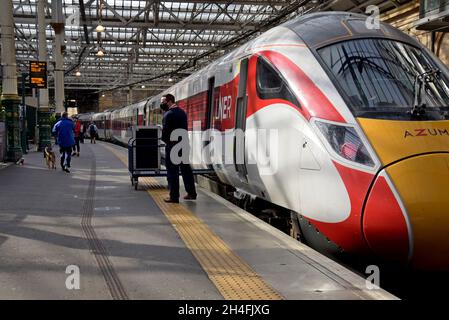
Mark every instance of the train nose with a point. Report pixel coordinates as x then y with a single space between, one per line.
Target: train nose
406 216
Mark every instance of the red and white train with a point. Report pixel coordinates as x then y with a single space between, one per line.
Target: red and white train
363 165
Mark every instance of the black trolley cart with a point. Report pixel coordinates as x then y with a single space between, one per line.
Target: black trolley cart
144 155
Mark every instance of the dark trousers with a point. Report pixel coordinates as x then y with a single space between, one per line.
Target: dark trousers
66 156
76 147
173 176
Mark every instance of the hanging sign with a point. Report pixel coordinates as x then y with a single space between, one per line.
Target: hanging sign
38 74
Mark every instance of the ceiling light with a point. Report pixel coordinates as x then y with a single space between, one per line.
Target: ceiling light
99 28
102 95
170 80
143 86
78 74
100 53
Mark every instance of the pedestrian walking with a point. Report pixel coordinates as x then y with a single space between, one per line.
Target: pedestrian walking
77 135
93 132
83 132
63 131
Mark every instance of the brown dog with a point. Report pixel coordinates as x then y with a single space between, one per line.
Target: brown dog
50 158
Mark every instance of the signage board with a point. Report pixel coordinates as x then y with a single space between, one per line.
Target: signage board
38 74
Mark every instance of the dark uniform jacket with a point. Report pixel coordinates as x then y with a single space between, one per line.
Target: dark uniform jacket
174 118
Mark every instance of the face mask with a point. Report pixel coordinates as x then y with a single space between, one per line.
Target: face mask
164 106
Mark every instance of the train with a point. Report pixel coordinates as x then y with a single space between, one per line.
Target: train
360 120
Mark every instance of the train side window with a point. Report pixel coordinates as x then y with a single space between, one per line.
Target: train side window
271 85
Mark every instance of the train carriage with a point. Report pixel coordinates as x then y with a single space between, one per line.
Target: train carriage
343 124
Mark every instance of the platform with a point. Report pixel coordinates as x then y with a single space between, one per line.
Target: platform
131 245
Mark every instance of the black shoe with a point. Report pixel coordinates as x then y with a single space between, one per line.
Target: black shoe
170 200
190 197
66 169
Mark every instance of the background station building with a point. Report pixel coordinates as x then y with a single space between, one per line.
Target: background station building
357 92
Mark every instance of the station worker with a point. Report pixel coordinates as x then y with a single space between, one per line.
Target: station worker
175 118
63 129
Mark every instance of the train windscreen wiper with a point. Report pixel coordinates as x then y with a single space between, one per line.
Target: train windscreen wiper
419 85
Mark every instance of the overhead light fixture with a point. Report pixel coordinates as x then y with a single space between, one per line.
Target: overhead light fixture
170 80
102 95
100 28
100 53
143 86
78 74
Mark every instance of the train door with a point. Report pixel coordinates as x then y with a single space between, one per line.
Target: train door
145 115
209 114
103 123
210 103
240 123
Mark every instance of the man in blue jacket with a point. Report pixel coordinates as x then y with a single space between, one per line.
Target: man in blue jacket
66 140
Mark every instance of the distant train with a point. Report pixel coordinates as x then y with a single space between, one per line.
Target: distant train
362 121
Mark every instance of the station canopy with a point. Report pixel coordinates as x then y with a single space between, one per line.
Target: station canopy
153 43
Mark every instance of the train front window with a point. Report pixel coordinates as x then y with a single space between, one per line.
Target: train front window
378 78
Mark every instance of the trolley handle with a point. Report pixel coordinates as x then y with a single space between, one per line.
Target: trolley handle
132 142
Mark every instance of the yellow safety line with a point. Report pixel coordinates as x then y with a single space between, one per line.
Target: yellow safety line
232 276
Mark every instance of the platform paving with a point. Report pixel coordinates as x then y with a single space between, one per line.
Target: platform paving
44 217
293 269
126 248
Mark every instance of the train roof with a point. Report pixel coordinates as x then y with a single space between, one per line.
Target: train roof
316 30
324 28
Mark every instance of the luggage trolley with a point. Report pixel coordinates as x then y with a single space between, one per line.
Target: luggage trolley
144 155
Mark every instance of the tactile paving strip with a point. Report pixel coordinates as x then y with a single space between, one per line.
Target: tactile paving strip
232 276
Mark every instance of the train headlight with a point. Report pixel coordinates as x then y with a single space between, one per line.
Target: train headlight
346 143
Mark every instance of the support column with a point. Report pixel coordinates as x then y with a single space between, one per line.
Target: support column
9 98
23 118
43 113
58 26
130 96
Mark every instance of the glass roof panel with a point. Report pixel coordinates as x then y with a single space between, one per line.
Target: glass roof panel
148 36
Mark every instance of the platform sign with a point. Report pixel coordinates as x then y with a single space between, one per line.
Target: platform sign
38 74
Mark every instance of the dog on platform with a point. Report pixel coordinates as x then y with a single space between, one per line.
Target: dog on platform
50 158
